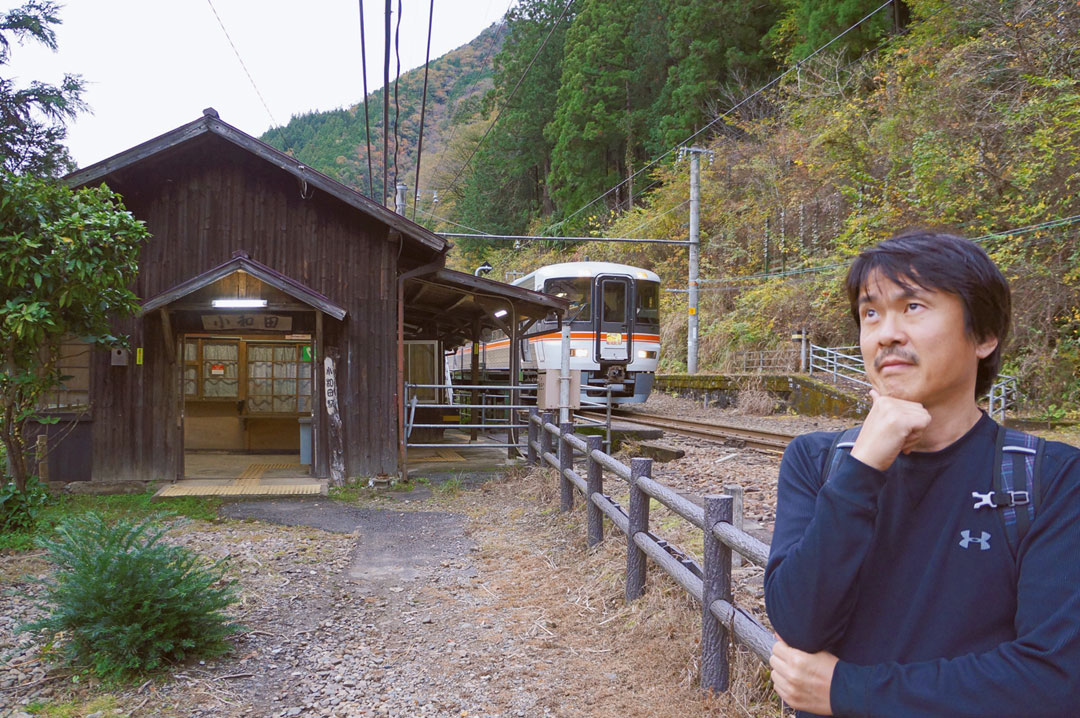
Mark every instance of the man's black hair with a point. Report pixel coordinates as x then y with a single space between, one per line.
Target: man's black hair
944 263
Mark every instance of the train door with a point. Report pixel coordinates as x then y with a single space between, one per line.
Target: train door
613 311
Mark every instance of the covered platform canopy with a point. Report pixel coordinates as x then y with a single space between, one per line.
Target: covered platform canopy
455 308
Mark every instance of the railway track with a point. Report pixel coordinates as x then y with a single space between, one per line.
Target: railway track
774 442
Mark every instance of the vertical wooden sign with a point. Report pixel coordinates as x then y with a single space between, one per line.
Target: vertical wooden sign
337 454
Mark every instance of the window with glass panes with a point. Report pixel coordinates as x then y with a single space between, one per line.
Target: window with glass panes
279 378
73 392
269 377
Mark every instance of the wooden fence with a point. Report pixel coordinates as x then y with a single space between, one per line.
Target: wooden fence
558 446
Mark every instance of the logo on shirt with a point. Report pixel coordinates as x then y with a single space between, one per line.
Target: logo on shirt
983 540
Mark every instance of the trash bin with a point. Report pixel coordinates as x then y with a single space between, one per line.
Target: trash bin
305 440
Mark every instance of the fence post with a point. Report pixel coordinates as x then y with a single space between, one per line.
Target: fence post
531 454
716 584
42 453
595 485
639 521
566 462
545 437
736 493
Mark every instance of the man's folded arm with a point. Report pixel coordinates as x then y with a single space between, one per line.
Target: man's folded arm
819 545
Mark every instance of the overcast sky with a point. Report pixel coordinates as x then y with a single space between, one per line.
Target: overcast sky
152 65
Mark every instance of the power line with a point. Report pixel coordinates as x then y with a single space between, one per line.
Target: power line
530 237
1028 229
386 108
241 60
742 102
512 93
367 117
397 76
423 106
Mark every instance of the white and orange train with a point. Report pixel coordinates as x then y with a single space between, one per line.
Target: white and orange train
614 319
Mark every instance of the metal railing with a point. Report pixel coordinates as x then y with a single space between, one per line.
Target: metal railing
710 583
839 363
774 360
492 414
845 363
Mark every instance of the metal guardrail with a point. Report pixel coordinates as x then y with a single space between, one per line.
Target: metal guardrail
774 360
710 584
492 413
846 363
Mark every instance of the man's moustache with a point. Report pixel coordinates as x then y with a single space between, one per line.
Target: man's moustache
895 354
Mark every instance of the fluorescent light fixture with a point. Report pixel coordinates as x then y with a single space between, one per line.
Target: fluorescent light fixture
501 313
239 303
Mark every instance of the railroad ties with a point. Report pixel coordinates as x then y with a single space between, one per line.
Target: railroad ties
770 441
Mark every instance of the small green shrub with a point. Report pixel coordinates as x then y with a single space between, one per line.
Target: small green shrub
124 602
19 510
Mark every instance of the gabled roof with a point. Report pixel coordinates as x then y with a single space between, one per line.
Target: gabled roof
211 124
241 262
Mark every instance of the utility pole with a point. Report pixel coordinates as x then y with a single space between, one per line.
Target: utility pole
695 246
399 198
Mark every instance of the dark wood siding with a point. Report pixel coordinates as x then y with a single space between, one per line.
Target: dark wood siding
202 203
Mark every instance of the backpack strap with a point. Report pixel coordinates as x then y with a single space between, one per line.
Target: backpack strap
1017 487
841 442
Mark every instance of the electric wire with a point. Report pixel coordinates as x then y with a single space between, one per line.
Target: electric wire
386 107
512 93
397 107
423 106
367 116
241 60
1014 232
730 110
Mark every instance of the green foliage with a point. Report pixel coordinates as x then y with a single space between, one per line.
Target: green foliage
67 259
32 118
124 602
20 510
131 507
613 73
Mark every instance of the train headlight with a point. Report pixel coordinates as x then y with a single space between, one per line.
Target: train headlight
646 354
579 353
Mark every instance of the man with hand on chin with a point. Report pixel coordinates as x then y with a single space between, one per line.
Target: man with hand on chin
892 592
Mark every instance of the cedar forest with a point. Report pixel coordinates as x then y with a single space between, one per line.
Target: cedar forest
957 114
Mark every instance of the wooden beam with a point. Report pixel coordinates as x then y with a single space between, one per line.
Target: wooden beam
167 332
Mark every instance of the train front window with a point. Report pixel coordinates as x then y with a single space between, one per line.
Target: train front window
614 302
575 290
648 302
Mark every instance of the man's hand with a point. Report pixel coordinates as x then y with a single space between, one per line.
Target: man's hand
803 679
893 425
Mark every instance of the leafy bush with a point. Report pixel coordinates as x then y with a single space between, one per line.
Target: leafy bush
19 510
125 602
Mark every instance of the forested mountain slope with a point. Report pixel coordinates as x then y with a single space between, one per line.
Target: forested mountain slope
961 114
334 142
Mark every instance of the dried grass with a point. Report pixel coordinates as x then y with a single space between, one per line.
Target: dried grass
755 402
605 657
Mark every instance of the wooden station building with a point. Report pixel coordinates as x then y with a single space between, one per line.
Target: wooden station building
273 298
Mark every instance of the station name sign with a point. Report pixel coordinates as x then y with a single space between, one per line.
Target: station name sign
260 322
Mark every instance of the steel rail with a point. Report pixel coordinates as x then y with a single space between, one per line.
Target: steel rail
754 438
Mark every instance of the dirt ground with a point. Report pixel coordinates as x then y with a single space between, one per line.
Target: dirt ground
481 601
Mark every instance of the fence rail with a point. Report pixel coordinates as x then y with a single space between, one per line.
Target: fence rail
767 360
846 364
558 446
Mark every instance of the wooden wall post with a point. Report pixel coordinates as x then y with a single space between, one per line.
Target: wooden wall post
639 522
545 437
716 584
566 462
595 485
533 414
